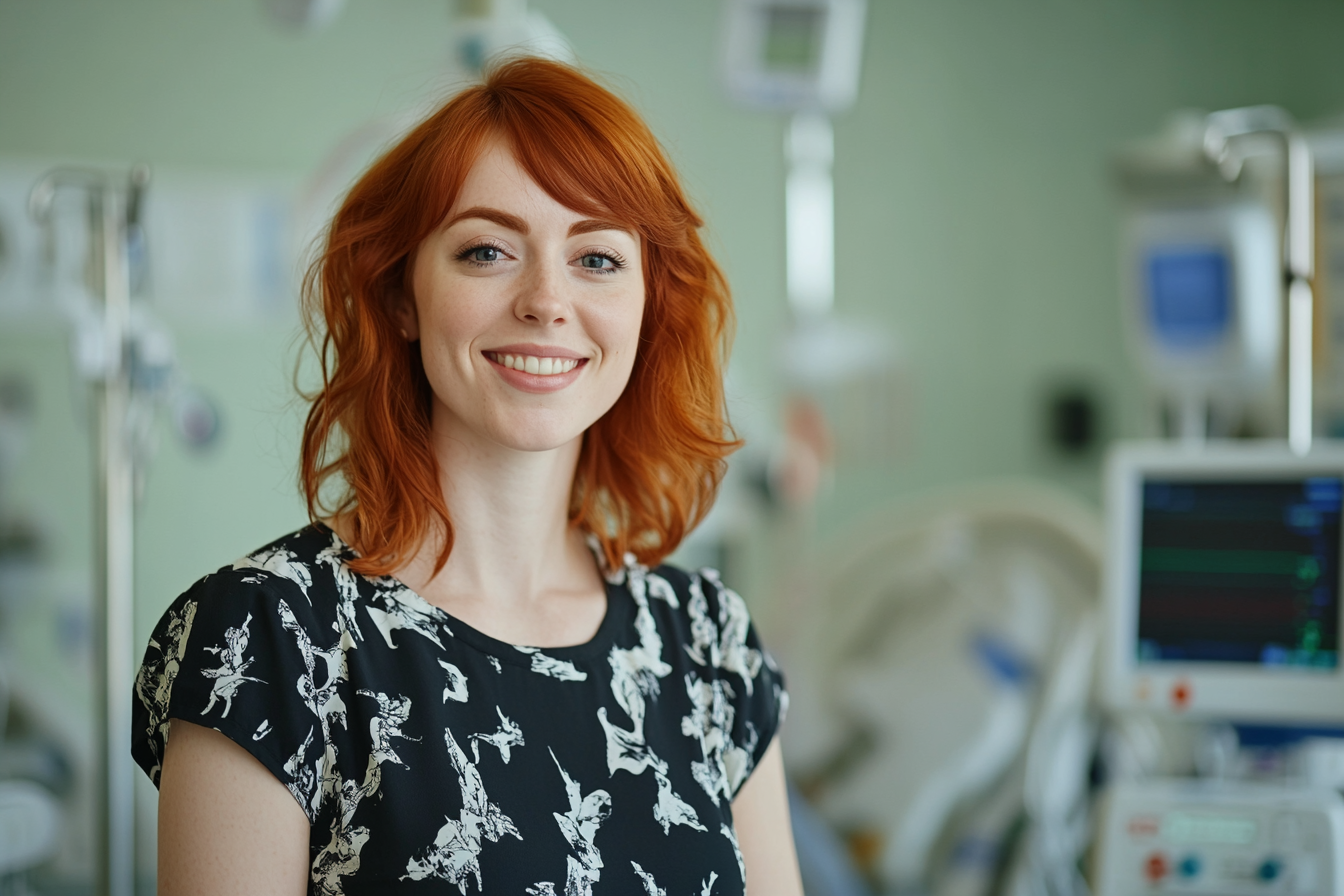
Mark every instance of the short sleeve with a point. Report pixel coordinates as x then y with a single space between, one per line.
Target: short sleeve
234 654
759 697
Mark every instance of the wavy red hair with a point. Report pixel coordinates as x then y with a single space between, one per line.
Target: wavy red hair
650 467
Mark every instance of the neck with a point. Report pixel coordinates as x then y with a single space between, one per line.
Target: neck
512 541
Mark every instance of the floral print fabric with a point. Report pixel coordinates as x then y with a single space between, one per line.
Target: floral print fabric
429 757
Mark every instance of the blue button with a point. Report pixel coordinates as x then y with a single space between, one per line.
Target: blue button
1270 869
1189 866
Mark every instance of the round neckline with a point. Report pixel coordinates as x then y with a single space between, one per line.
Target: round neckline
613 618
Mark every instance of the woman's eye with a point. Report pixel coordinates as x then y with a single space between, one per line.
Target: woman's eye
597 262
484 254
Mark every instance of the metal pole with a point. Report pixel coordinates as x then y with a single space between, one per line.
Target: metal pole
1221 131
111 212
1301 304
809 215
118 516
114 561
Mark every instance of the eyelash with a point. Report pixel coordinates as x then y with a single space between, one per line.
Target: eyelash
617 262
465 254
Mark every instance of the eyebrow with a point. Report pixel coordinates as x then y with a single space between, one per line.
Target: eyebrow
503 219
590 225
517 224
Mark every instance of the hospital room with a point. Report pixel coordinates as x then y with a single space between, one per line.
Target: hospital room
899 441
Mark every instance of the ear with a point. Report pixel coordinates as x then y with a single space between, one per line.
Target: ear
406 317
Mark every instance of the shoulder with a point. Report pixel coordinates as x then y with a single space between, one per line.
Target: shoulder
708 621
280 582
278 598
698 595
733 684
291 564
224 652
672 584
304 571
721 626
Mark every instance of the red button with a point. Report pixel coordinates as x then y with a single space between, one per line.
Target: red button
1156 867
1180 695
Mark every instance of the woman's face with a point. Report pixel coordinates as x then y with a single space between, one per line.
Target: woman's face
527 312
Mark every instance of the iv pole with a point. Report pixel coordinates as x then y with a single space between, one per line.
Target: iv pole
104 354
1222 131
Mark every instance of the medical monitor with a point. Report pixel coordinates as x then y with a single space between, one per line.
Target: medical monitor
1205 291
1223 581
793 55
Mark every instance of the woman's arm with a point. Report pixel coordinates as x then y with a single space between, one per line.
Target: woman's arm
761 816
227 827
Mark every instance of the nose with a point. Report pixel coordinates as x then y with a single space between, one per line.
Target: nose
542 298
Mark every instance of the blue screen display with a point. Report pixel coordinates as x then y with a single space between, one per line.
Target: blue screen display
1241 572
1189 296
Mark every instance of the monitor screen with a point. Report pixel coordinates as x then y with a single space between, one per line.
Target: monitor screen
1223 579
793 36
1190 296
1240 571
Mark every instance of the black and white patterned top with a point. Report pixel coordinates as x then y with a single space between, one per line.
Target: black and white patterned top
425 753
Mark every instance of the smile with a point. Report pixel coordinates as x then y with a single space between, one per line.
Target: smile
533 364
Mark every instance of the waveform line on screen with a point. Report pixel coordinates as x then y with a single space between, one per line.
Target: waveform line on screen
1196 560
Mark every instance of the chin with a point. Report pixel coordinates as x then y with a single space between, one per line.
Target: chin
536 437
537 444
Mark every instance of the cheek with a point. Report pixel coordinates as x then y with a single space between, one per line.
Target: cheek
450 319
623 327
622 347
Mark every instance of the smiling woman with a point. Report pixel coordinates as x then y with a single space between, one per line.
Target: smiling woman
470 669
649 470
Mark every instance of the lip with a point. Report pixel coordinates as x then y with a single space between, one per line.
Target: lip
535 383
541 351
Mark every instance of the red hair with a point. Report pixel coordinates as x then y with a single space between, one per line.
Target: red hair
649 469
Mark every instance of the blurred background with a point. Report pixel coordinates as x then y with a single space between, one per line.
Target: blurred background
925 431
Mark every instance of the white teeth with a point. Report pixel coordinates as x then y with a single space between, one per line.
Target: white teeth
535 365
